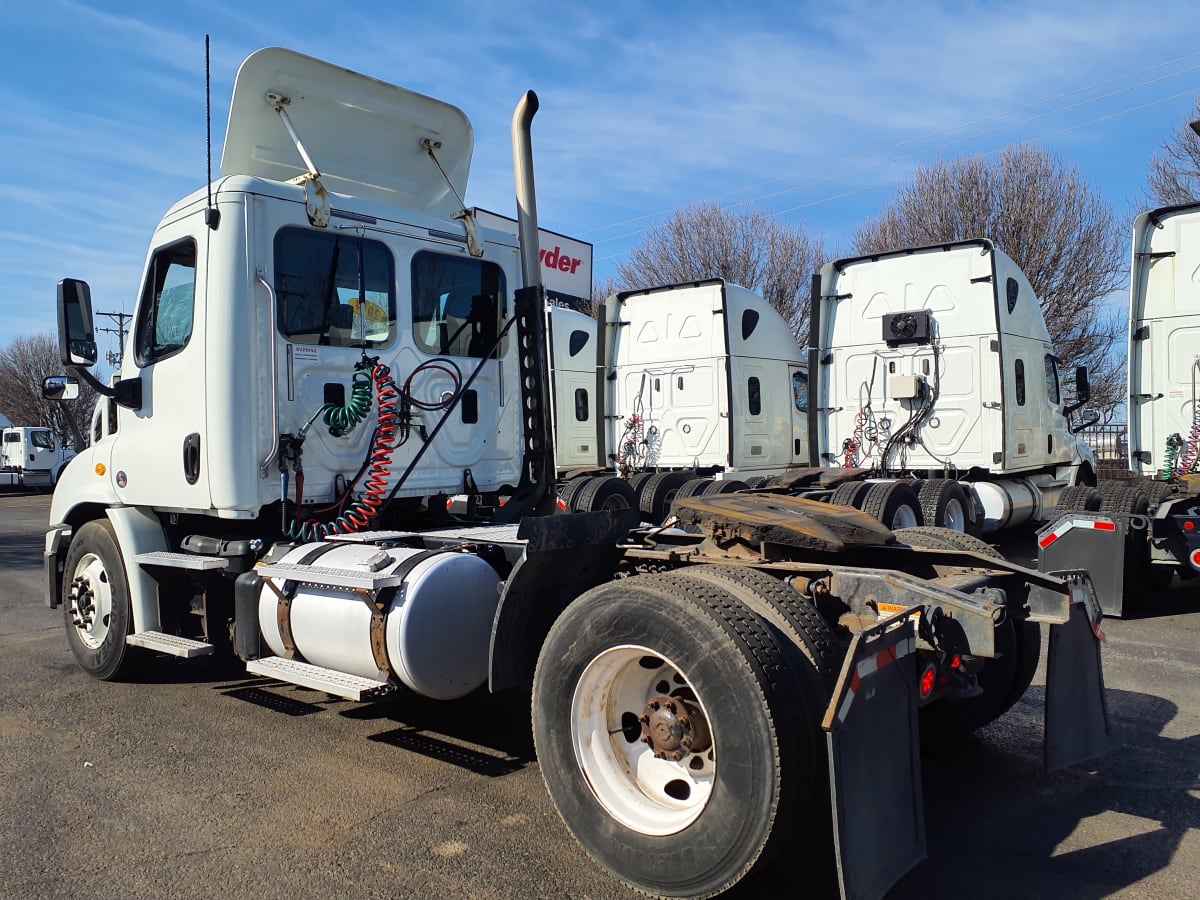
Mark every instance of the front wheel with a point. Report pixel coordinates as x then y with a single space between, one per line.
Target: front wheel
96 603
667 720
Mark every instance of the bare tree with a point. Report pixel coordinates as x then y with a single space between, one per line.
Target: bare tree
1042 213
1174 175
750 248
23 365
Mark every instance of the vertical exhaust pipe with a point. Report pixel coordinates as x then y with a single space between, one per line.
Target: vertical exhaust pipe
535 492
527 225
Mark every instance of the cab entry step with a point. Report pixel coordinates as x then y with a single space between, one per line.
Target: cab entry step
191 561
172 644
349 687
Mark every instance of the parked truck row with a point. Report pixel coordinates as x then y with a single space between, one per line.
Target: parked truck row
327 345
930 394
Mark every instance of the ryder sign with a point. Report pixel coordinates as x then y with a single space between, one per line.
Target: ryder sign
566 262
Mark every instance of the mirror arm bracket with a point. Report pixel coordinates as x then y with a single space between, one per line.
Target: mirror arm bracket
127 392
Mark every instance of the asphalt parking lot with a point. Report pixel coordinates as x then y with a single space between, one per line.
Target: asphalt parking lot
204 782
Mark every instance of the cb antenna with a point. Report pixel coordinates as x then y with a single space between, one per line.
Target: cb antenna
212 215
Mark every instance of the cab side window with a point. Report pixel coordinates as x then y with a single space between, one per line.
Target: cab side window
1052 380
167 307
800 391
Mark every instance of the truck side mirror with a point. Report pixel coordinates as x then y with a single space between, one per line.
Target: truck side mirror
60 387
76 335
1083 388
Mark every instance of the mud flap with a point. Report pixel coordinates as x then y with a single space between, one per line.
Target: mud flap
874 761
1077 725
1094 543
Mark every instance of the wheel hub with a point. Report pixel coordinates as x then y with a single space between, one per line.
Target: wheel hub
673 727
83 603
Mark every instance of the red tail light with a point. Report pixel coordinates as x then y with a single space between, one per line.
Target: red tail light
928 680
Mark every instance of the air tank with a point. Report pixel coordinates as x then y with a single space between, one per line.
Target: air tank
437 626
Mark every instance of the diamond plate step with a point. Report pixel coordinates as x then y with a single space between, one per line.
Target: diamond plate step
172 644
351 687
499 534
326 576
191 561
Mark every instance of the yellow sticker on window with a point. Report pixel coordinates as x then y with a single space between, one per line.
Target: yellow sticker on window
372 312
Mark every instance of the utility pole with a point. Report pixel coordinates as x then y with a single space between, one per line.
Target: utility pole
121 318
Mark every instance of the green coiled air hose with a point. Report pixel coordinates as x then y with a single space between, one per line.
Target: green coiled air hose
342 419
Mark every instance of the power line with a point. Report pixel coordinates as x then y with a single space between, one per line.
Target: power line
920 139
114 359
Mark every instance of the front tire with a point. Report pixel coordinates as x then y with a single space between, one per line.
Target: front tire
638 800
96 603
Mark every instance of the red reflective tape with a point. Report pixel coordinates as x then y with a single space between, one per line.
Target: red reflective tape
1105 526
854 683
885 657
1048 540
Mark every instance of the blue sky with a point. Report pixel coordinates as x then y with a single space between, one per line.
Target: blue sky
815 111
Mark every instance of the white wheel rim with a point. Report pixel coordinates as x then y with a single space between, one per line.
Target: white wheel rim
650 795
91 601
954 516
904 517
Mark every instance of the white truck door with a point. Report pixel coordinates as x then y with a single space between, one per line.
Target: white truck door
158 456
41 451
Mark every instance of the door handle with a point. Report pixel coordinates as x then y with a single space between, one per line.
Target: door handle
191 458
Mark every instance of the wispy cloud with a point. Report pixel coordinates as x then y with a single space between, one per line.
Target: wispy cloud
644 106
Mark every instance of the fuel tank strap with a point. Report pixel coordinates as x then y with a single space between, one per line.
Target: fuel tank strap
380 601
283 605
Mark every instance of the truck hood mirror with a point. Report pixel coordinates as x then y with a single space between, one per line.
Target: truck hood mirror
76 335
60 387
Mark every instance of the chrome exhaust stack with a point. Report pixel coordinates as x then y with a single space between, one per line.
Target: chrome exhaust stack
527 225
535 492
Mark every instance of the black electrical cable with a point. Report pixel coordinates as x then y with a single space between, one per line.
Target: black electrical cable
450 407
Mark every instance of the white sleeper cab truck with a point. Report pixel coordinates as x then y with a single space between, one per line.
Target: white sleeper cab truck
31 457
693 388
1135 533
935 384
326 345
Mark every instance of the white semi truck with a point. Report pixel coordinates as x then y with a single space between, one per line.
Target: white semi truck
31 457
698 382
325 346
934 366
1136 533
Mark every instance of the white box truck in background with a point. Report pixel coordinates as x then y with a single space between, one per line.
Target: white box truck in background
31 457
